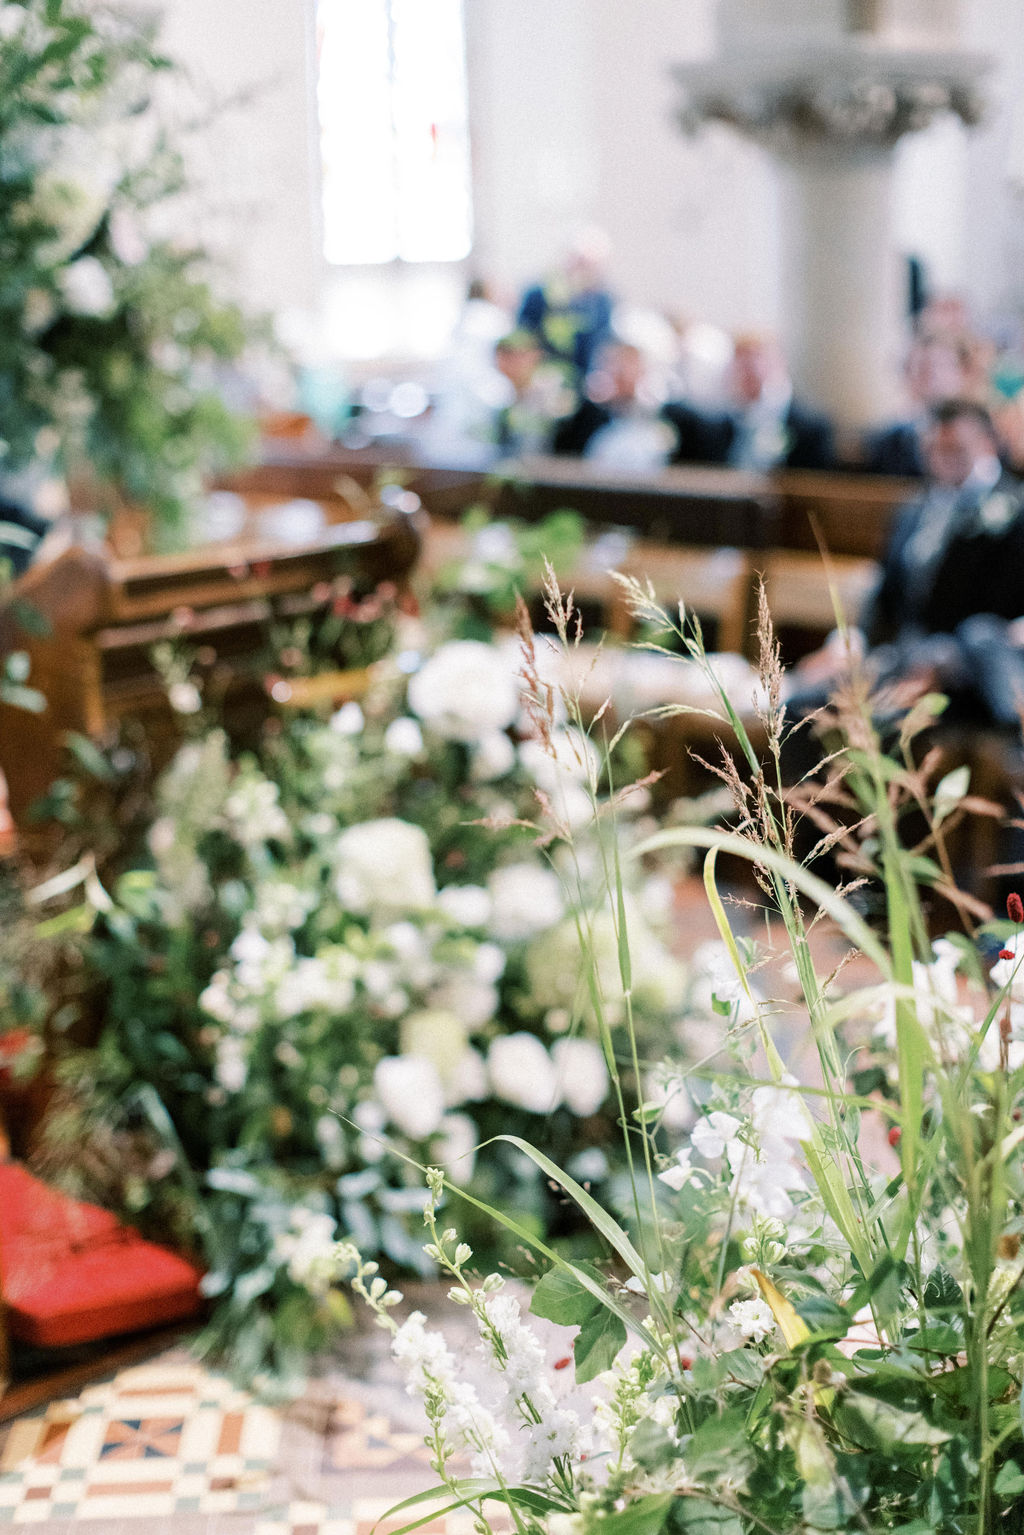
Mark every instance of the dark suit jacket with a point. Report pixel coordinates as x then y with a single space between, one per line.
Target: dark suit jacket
707 438
980 569
573 433
896 450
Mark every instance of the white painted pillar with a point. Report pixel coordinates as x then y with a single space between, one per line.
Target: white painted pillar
842 281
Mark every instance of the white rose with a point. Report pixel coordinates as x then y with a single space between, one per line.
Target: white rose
522 1073
385 866
468 905
527 899
457 1151
404 738
410 1092
465 691
86 287
582 1074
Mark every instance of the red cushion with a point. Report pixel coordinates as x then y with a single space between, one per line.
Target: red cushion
71 1273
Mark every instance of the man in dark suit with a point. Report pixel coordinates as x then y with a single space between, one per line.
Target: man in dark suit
934 371
946 613
620 422
764 428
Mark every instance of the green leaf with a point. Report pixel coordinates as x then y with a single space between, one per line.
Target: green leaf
941 1291
720 1447
560 1297
1010 1481
884 1426
699 1516
652 1446
644 1517
823 1316
597 1344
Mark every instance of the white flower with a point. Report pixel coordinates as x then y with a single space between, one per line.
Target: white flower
86 287
779 1113
410 1091
308 1249
526 898
385 866
371 1119
493 757
465 691
466 905
665 1089
457 1150
715 979
282 905
562 773
253 811
522 1073
348 720
217 1000
582 1074
437 1036
231 1067
404 738
184 698
488 962
713 1133
475 1002
679 1173
753 1318
468 1082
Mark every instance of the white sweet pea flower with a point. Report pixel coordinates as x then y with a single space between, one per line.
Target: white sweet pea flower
410 1092
466 691
526 900
713 1133
522 1073
384 866
679 1173
582 1075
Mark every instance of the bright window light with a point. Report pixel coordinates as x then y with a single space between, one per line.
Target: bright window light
394 131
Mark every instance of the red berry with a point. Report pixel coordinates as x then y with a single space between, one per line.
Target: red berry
1015 907
685 1362
895 1135
563 1364
1007 954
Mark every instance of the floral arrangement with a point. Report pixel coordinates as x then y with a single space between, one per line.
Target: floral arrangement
110 336
346 957
811 1318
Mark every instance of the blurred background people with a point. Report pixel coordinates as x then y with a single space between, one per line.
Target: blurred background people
622 422
570 312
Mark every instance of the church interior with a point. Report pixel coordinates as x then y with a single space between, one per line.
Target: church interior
511 766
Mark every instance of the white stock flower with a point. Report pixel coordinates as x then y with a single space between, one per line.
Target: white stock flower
456 1152
522 1073
754 1318
86 288
465 691
582 1074
466 905
403 737
231 1068
385 866
524 1372
526 900
307 1248
410 1092
429 1367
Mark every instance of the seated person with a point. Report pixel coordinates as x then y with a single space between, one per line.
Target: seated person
570 313
764 427
620 423
536 397
934 371
942 617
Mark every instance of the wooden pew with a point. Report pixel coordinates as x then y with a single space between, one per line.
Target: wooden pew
104 615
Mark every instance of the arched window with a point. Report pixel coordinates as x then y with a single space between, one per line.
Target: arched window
394 131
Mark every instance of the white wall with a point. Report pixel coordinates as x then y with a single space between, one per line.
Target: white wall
572 109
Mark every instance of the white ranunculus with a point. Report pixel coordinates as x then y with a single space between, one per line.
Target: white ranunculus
404 738
410 1092
468 905
527 899
457 1151
493 757
385 866
582 1074
465 691
436 1035
86 287
522 1073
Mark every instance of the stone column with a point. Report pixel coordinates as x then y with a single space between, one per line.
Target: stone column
831 115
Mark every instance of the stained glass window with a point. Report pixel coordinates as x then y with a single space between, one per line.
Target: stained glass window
394 131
